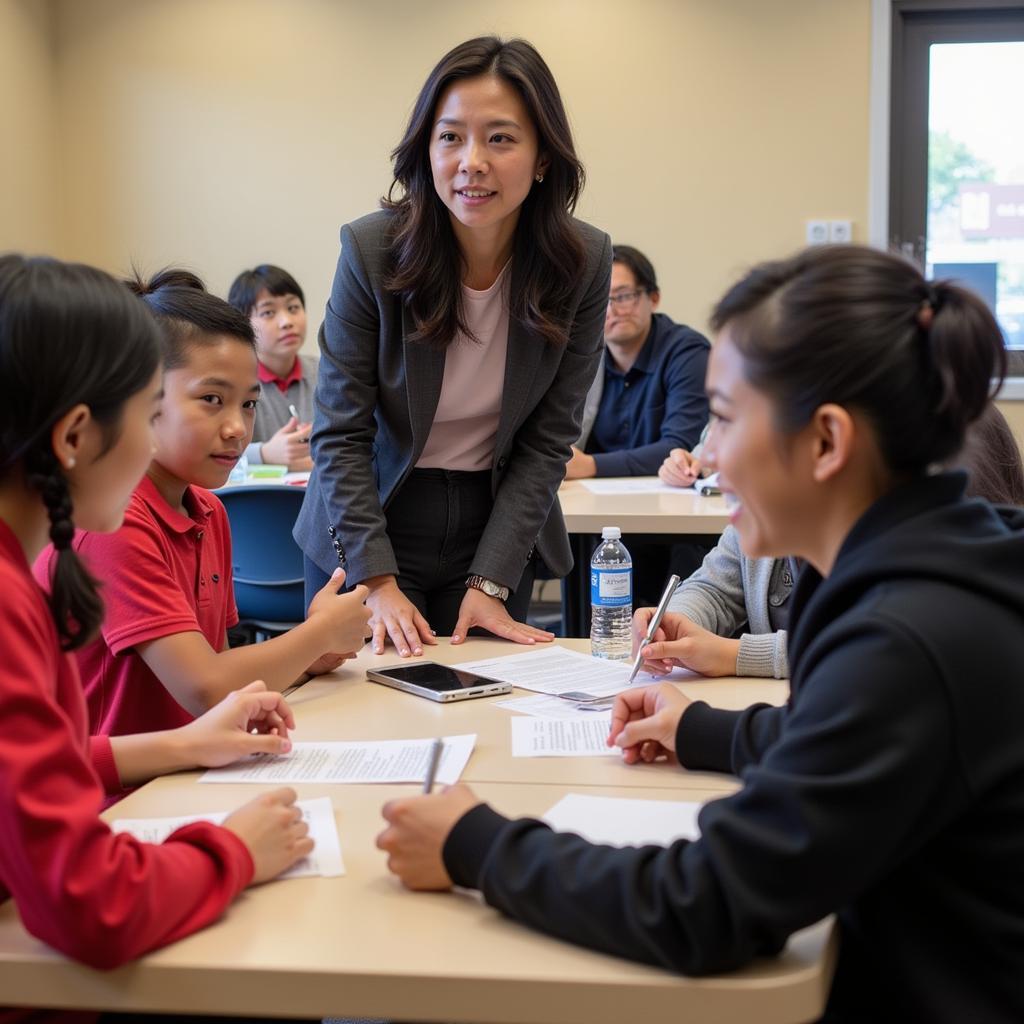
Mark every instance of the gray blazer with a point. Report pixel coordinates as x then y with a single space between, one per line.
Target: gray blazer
376 398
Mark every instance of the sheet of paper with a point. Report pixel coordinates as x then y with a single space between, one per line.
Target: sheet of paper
360 761
560 737
620 821
629 485
543 706
556 670
318 814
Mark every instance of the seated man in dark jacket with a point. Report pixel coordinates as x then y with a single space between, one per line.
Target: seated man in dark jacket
648 397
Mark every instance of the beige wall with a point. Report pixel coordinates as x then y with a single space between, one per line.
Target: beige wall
28 192
224 132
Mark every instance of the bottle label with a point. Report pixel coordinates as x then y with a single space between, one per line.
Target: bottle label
611 588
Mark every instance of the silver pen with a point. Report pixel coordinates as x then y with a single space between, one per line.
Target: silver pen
659 614
435 759
295 413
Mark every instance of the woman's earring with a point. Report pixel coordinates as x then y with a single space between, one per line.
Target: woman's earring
71 462
540 178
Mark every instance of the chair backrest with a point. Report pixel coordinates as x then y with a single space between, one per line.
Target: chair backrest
266 561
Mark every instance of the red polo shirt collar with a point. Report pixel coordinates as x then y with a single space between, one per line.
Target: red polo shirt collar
195 500
267 376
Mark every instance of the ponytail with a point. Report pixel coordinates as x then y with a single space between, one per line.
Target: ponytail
960 331
863 329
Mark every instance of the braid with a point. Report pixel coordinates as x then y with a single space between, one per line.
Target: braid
74 593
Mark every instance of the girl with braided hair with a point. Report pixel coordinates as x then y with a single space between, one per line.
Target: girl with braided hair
79 388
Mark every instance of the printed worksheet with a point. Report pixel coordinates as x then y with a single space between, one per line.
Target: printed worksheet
318 814
558 671
622 821
560 737
359 761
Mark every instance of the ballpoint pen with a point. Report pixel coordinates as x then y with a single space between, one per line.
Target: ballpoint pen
295 413
659 612
435 759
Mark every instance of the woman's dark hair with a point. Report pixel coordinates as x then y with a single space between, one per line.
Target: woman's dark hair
864 329
188 315
266 277
426 263
638 265
992 459
69 335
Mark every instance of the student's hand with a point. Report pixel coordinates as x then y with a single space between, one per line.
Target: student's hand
680 641
271 826
580 465
644 722
225 733
417 829
394 617
346 616
479 609
328 663
680 468
289 447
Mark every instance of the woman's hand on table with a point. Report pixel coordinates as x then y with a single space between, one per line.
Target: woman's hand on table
253 720
272 829
478 609
680 468
680 641
394 617
418 827
644 722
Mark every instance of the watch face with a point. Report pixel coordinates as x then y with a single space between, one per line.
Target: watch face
490 588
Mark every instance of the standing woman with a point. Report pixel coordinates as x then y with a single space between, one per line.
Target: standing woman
463 331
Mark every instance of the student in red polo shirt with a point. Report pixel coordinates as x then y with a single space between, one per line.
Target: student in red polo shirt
79 386
273 301
162 656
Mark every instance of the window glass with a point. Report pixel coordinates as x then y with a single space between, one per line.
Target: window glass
975 226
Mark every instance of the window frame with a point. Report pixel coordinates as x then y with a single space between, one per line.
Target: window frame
914 26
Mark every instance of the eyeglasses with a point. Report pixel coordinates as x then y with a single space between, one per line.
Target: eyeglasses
625 300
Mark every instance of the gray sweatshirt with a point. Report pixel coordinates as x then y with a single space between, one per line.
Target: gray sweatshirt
272 411
730 591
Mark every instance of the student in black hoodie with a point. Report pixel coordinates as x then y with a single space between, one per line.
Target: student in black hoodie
890 789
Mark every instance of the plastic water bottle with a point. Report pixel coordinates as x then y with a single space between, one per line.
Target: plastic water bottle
611 598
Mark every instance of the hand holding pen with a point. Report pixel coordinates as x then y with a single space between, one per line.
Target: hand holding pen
652 628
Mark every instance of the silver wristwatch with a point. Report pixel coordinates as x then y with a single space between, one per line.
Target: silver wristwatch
489 587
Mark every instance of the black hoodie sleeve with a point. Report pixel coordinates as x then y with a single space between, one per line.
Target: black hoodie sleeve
713 739
815 823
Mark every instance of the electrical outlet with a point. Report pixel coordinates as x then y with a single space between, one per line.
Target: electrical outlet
817 232
840 231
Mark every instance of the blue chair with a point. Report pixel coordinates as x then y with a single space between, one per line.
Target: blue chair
265 560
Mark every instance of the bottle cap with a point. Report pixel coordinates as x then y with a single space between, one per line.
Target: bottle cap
610 533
